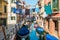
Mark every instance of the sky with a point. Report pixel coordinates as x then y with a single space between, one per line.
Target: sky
31 2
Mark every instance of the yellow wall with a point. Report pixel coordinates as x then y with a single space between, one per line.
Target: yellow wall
0 5
4 15
3 3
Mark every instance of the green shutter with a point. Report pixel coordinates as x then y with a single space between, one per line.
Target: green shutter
55 4
12 17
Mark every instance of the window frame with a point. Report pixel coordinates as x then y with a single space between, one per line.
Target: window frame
13 18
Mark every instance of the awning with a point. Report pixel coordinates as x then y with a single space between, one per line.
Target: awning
50 37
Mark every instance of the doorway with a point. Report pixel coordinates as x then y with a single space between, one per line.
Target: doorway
56 26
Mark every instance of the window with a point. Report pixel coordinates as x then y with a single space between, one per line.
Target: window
55 4
12 17
0 13
3 22
0 3
56 25
5 9
12 1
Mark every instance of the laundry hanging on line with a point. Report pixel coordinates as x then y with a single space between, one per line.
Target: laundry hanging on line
23 11
19 3
44 15
17 11
48 9
13 9
31 11
37 10
27 12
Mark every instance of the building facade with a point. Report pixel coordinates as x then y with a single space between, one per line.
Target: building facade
3 12
11 17
52 22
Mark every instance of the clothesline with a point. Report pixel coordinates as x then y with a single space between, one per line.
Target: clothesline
35 8
26 6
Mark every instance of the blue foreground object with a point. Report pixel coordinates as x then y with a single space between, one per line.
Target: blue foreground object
39 30
33 35
23 31
50 37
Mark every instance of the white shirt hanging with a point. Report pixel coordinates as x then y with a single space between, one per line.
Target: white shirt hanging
44 15
23 11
